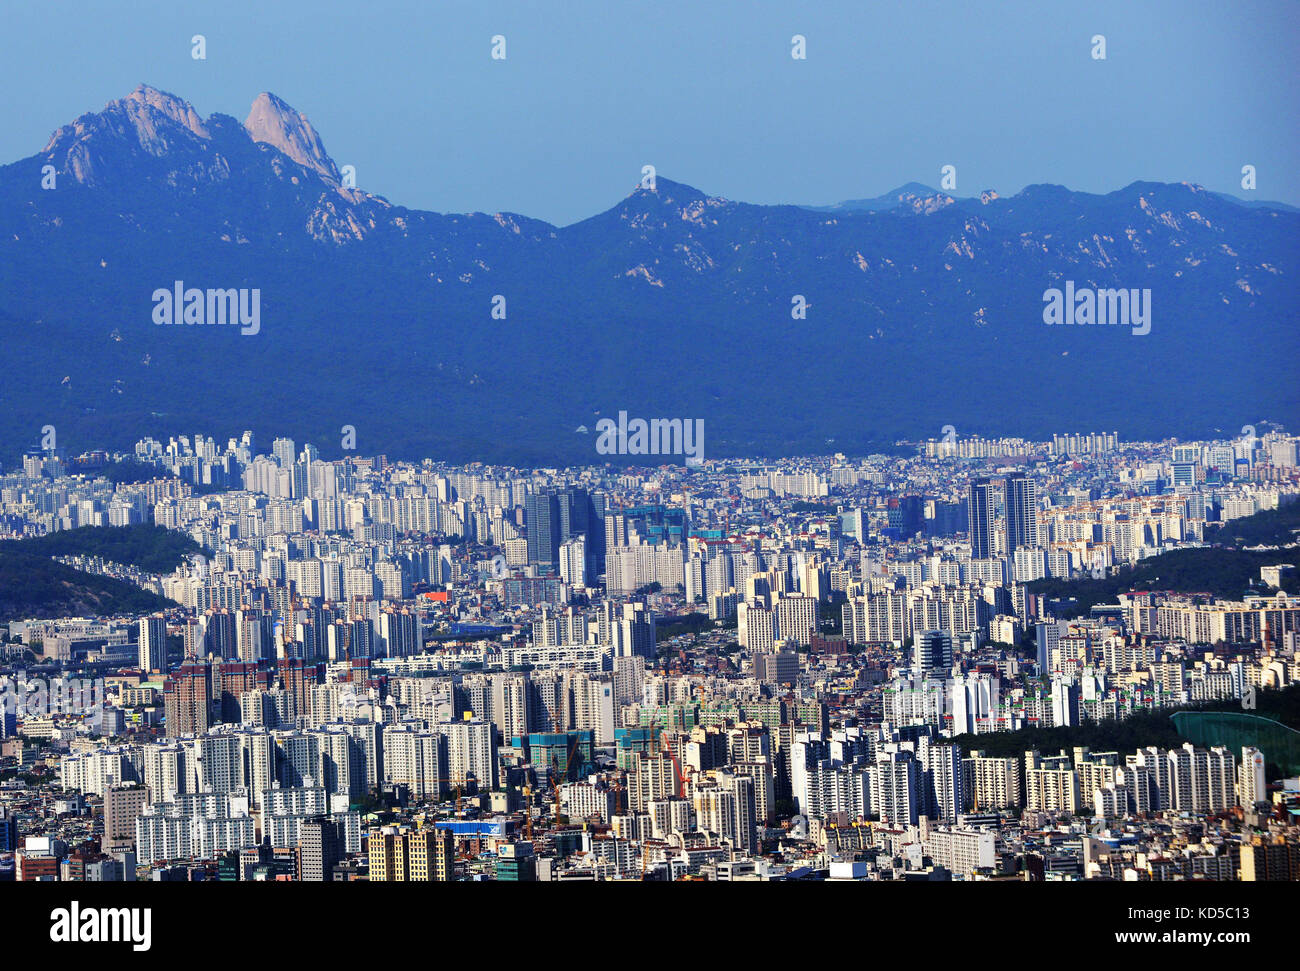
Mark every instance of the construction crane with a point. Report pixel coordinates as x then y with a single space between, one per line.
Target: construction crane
620 787
667 748
457 785
528 812
556 782
660 735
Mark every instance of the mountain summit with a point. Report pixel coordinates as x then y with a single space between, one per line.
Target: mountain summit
147 121
272 122
184 148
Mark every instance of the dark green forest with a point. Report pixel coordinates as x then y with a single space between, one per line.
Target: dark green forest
36 586
154 549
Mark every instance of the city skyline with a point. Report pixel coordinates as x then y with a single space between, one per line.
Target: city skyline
461 449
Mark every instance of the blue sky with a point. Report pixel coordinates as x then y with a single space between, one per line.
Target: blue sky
592 90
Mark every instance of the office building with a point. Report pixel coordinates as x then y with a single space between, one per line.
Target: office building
1021 502
932 652
153 643
979 507
319 849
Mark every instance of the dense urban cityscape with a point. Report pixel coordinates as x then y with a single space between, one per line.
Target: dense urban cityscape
678 445
737 670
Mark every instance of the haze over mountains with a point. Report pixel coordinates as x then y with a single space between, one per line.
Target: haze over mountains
924 309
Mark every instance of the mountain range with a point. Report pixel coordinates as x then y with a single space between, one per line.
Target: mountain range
922 309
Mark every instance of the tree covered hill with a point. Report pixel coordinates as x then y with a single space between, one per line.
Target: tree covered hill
36 586
1229 571
154 549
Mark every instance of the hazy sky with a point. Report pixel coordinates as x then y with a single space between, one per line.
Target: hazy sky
591 90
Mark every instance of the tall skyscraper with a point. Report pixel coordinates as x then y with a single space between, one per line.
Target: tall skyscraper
636 634
944 780
575 513
574 561
1065 702
1251 788
284 449
542 516
1022 512
1047 636
979 506
471 751
556 516
896 792
153 643
595 548
907 514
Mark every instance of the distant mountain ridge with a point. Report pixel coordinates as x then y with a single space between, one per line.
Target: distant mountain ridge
913 195
923 309
917 196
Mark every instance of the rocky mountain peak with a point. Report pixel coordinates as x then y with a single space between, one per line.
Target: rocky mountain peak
147 121
275 123
142 103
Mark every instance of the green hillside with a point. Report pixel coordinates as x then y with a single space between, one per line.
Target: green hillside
1228 571
36 586
154 549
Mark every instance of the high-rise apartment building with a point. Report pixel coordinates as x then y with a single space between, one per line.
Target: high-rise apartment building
1021 512
153 643
188 696
979 505
122 805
